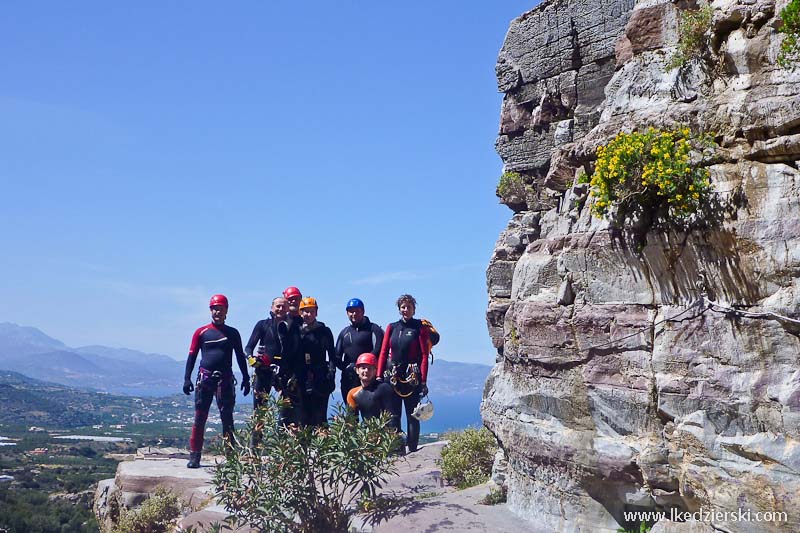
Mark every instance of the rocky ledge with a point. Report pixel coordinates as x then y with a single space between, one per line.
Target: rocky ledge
431 505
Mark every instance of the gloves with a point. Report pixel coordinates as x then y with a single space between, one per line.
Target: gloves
188 387
245 385
259 360
423 389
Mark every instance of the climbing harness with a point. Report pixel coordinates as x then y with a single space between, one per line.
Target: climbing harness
397 379
211 380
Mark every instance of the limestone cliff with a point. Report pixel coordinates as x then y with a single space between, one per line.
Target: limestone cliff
616 387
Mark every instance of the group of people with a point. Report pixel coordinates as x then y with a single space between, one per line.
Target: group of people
294 354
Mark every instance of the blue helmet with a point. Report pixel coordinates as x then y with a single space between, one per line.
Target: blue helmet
354 302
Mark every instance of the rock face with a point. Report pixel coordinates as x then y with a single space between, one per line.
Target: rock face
614 389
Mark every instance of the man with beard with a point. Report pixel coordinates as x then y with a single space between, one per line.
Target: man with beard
293 297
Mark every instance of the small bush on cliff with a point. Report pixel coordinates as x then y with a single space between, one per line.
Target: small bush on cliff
468 457
156 515
790 47
512 190
305 480
648 178
643 527
496 496
694 36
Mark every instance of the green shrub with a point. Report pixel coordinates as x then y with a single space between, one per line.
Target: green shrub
512 189
790 46
648 177
643 528
694 36
156 515
307 480
496 496
468 457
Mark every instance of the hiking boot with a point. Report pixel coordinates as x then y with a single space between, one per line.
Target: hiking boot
194 460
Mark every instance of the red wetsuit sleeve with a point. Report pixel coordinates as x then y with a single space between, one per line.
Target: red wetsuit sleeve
384 351
194 349
424 343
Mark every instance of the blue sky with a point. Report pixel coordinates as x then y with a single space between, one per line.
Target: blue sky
155 153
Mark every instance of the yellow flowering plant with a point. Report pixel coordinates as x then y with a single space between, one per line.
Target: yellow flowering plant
651 177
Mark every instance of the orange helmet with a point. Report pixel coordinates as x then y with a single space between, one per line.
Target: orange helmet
367 359
288 292
218 299
308 302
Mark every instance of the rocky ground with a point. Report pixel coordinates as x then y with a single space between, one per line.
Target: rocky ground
432 506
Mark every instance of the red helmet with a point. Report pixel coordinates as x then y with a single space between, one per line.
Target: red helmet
366 359
288 292
218 299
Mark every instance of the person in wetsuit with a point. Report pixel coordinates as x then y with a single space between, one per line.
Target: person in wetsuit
361 336
316 340
371 397
217 342
277 360
403 362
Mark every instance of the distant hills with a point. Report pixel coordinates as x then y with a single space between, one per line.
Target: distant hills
32 353
30 402
456 388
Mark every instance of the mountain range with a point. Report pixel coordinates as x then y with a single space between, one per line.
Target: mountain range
31 352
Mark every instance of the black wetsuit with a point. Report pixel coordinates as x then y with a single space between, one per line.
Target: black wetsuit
280 341
406 346
319 371
372 400
352 342
214 377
